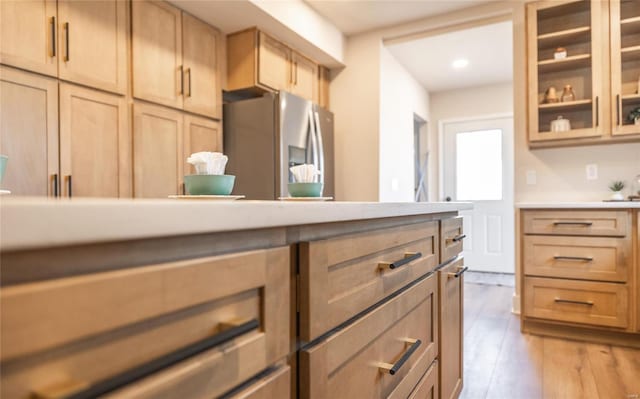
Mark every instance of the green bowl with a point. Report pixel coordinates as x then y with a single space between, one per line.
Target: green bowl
209 184
3 165
305 189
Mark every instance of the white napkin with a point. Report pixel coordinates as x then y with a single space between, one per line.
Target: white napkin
305 173
208 163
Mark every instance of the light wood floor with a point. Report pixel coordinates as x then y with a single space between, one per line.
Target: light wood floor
500 362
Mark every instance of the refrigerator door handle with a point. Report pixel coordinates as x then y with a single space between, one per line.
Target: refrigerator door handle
320 165
313 137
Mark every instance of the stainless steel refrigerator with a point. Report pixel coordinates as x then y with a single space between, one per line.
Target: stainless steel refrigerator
264 136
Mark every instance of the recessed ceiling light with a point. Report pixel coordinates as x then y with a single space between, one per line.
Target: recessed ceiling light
460 63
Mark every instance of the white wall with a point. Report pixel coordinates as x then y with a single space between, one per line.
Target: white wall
463 103
401 96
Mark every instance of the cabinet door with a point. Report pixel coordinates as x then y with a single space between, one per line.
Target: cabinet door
625 65
200 134
93 43
304 77
94 143
324 79
200 48
451 313
274 69
157 151
157 53
28 35
29 132
578 26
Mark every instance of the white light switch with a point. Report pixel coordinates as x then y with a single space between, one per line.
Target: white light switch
532 177
592 171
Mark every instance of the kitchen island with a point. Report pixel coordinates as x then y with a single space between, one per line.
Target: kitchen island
579 270
159 298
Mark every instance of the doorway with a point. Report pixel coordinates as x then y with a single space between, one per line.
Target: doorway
477 166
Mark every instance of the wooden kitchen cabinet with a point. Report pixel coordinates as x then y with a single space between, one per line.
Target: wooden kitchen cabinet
157 52
29 132
451 298
93 43
158 162
95 150
200 134
274 68
202 83
258 62
625 64
175 59
28 35
324 78
304 81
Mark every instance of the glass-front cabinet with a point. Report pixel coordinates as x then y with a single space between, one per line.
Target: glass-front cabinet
625 66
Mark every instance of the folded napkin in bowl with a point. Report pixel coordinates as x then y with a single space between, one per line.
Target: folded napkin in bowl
208 163
305 173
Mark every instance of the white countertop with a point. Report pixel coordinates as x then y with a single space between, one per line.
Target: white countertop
40 222
579 205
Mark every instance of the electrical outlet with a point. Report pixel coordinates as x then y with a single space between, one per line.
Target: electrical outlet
532 177
592 171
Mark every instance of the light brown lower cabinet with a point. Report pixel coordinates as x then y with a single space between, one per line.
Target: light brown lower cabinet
427 387
95 149
29 132
451 296
381 355
163 138
274 385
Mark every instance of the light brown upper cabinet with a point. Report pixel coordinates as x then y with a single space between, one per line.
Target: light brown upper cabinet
83 42
304 81
324 78
157 151
175 59
625 65
29 132
93 43
95 150
28 38
602 43
256 61
200 134
577 27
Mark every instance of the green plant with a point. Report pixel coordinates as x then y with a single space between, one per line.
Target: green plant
616 186
635 113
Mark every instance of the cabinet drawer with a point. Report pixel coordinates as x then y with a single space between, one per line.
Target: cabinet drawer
427 388
94 327
581 223
355 362
601 304
451 237
343 276
275 385
586 258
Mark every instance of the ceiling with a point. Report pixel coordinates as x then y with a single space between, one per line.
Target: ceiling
488 48
357 16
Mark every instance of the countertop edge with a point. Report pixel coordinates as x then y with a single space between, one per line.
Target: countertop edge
39 223
578 205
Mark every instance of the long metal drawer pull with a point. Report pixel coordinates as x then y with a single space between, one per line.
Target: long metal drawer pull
573 223
393 368
55 185
408 258
52 21
66 41
560 300
459 273
576 258
69 186
128 376
459 237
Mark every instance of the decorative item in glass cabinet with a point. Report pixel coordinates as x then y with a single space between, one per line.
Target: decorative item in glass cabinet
550 96
616 187
634 116
560 125
560 53
568 94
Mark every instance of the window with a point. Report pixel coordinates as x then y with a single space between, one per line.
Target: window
479 165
